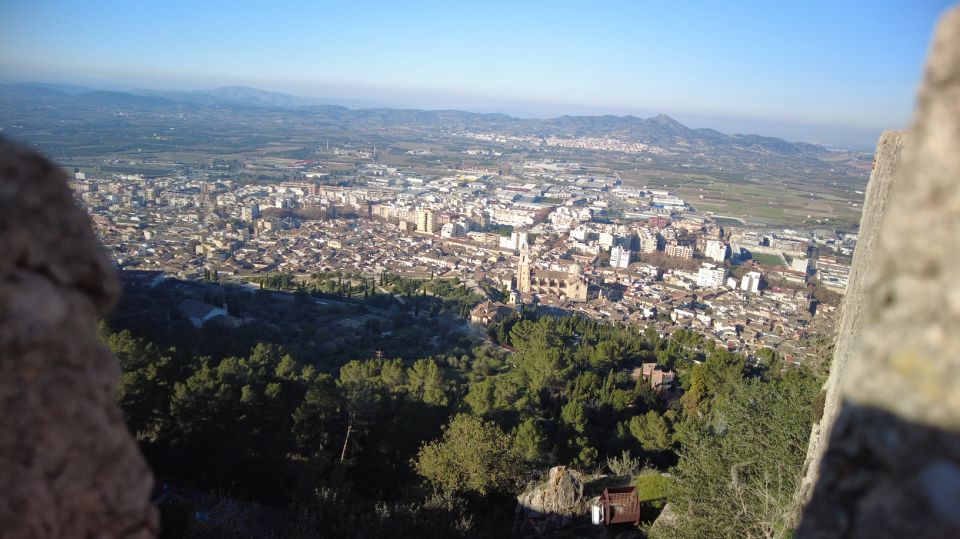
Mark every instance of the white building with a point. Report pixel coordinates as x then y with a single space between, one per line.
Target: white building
565 218
751 282
619 257
799 264
451 230
715 250
512 217
580 233
198 312
516 242
669 200
710 276
648 240
606 240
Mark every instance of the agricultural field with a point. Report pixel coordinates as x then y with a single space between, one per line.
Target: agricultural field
757 202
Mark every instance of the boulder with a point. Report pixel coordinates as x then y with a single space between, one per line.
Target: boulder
662 526
551 505
69 466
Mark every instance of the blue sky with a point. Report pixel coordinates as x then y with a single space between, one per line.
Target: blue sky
806 69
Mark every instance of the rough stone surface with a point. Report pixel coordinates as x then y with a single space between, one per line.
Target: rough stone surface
667 518
909 361
892 465
69 466
551 505
885 168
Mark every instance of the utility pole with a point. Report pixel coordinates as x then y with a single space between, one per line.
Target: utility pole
343 453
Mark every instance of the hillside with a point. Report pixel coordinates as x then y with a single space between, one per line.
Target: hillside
660 130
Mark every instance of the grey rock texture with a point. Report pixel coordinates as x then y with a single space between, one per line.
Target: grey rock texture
667 519
69 466
886 165
551 505
892 465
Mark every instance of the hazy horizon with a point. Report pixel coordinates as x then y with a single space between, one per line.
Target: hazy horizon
824 72
863 139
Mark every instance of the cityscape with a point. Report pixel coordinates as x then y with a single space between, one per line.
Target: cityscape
661 261
575 292
643 270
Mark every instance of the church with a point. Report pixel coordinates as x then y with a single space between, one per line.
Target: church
570 285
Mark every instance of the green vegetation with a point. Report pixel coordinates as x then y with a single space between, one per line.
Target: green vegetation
474 456
737 477
767 259
500 230
653 487
444 426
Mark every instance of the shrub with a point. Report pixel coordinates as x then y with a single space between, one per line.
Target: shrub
624 465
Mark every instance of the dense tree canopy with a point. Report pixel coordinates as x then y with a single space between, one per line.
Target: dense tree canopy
408 409
739 479
474 456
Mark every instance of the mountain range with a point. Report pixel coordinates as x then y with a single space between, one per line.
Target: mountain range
660 130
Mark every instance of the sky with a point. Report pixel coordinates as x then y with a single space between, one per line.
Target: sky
836 72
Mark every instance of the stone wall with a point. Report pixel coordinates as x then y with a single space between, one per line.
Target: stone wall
69 466
891 467
885 168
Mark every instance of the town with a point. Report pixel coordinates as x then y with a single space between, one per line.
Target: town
377 269
547 235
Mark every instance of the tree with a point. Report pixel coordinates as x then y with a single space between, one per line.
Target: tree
314 420
652 431
739 480
530 442
300 296
363 393
607 354
287 369
393 375
652 486
145 385
585 387
481 396
771 362
711 381
473 456
544 357
588 454
574 414
428 383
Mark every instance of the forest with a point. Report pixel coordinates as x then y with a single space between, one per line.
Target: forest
406 422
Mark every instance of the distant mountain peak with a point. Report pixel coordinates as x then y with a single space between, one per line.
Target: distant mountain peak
666 121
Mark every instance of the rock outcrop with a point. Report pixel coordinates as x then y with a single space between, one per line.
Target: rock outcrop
69 466
551 505
667 518
891 467
885 169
